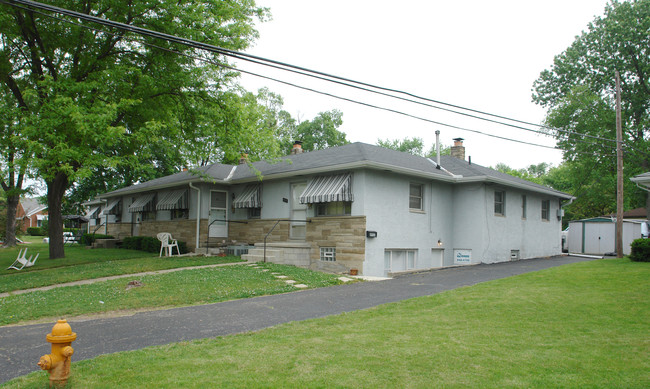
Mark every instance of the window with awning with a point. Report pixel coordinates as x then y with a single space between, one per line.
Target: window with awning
326 189
143 203
112 208
249 198
176 199
93 212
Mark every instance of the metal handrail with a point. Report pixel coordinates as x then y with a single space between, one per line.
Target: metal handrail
275 225
207 234
95 230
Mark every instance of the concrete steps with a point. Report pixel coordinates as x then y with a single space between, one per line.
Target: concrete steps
257 255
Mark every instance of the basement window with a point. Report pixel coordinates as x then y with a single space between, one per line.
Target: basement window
328 254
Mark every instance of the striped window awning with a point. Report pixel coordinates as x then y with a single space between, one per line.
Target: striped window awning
111 208
142 203
249 198
176 199
92 213
327 189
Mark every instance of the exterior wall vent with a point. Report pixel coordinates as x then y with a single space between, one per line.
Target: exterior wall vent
514 255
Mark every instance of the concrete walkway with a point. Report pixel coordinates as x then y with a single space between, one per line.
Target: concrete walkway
100 279
21 346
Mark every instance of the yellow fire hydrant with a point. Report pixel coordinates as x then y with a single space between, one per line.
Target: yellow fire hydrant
58 362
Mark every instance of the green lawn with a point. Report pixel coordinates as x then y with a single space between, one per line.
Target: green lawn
81 263
584 325
186 287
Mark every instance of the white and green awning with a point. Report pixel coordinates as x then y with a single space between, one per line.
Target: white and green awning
143 203
176 199
249 198
92 213
111 208
327 189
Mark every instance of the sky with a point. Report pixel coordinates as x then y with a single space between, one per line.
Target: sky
483 55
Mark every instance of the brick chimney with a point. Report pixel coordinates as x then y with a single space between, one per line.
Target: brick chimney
458 150
243 158
297 148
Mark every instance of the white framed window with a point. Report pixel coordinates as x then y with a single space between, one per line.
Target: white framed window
546 210
180 214
334 208
396 260
499 203
254 213
328 254
523 206
416 197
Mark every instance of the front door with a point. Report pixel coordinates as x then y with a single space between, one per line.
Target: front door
218 214
298 228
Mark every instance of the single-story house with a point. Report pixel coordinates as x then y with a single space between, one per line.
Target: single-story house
30 213
354 207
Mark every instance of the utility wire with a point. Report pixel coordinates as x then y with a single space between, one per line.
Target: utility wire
284 66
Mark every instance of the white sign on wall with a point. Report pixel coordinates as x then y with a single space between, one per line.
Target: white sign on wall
462 257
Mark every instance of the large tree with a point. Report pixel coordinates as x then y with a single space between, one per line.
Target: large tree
96 97
413 146
14 164
579 92
321 132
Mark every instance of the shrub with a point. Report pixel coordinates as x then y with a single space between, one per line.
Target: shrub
89 239
149 244
640 250
35 231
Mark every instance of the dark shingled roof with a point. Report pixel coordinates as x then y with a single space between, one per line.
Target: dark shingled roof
350 156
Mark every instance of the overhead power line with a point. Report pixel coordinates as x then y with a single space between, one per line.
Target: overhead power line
302 71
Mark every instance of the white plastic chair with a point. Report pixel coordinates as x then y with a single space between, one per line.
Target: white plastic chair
167 243
22 261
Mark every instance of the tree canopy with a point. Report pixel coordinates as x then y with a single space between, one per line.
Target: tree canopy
579 92
321 132
413 146
82 98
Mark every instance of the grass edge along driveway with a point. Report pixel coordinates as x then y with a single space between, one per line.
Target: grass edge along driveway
575 326
181 288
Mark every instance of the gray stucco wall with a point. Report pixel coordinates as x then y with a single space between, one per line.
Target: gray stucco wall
385 202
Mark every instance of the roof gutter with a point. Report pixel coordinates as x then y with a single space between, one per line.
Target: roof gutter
530 188
642 187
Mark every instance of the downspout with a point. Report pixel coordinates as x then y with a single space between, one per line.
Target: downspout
198 214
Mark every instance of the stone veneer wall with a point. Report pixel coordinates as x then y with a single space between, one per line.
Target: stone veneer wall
117 230
183 230
255 230
346 233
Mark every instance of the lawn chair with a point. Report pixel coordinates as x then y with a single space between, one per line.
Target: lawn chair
22 261
167 243
72 238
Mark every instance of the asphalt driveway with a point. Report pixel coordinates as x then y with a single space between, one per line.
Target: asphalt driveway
22 346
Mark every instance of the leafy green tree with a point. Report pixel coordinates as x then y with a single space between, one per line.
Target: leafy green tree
413 146
579 92
104 98
14 163
321 132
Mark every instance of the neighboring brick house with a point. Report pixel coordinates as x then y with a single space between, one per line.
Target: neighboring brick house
30 213
357 206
